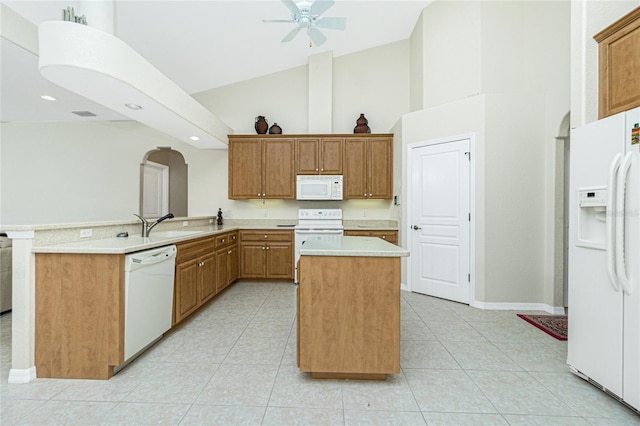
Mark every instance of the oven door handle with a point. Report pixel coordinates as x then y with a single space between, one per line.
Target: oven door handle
318 231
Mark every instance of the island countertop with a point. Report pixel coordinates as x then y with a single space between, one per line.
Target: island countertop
352 246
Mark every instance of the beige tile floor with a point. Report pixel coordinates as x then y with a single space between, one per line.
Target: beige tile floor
234 363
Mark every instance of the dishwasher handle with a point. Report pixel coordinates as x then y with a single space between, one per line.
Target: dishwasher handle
150 257
154 258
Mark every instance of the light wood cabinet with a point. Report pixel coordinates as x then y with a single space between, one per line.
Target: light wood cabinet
227 260
266 254
368 169
261 168
390 236
319 156
195 280
619 65
348 316
79 312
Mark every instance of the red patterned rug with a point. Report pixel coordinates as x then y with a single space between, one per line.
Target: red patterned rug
553 325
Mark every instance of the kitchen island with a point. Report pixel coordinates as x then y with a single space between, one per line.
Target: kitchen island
348 308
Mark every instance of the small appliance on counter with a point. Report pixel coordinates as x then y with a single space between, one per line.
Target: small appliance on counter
319 187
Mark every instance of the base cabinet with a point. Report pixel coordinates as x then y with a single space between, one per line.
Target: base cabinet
226 260
195 280
390 236
266 254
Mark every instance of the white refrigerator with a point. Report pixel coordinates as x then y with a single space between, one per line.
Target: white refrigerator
604 255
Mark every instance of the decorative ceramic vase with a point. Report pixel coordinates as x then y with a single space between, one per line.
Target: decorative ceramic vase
362 126
275 129
261 125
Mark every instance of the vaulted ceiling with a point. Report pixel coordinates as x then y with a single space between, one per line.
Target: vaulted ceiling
199 45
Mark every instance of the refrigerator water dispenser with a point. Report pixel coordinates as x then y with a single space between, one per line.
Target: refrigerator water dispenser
592 220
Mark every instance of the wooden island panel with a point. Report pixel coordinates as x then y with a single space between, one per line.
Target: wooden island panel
79 331
349 316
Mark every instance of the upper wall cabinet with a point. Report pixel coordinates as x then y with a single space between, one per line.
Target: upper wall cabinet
319 156
261 168
368 167
265 166
619 65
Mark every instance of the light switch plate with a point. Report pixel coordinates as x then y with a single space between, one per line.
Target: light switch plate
86 233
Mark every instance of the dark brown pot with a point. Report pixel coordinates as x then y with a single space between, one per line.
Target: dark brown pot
261 125
275 129
362 126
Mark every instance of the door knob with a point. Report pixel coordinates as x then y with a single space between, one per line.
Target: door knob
416 227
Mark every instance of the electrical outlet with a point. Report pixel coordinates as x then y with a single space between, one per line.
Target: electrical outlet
86 233
185 223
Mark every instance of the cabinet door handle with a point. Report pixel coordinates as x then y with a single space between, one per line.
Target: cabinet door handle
229 252
223 240
263 194
384 237
258 194
370 195
322 170
266 236
264 248
267 247
316 170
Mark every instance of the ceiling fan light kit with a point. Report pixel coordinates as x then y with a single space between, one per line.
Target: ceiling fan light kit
308 16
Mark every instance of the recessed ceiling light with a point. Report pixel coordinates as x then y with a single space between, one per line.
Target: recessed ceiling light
48 98
194 138
134 107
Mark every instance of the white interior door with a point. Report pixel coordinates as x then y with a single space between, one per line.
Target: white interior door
440 220
155 189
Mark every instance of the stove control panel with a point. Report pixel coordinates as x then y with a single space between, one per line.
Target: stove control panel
320 214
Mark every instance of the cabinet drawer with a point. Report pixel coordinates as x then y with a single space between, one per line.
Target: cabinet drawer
266 235
390 236
194 248
221 240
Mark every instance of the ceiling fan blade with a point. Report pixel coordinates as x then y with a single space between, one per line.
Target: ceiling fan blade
291 6
333 23
291 34
319 6
316 36
286 21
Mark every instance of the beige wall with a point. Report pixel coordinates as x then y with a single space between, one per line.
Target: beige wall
508 83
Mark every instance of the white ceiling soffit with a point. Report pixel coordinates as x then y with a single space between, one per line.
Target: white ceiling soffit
101 67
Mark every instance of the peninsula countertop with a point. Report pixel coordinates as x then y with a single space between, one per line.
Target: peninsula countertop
352 246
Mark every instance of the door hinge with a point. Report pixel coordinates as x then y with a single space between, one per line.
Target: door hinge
469 217
469 277
468 154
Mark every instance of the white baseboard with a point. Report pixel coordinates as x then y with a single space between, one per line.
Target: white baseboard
22 375
404 286
553 310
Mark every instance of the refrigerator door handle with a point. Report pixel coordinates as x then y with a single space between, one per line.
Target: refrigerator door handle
621 270
611 221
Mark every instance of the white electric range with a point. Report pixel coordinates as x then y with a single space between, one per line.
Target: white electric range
316 224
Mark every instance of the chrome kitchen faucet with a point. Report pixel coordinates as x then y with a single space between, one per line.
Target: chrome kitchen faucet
146 227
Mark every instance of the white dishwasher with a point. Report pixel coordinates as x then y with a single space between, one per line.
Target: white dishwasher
148 301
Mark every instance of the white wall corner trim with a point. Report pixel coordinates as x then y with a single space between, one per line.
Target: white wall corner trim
22 375
497 306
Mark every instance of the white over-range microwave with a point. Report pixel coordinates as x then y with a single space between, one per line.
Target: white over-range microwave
319 187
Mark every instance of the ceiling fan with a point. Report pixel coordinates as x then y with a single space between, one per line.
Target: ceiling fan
308 15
